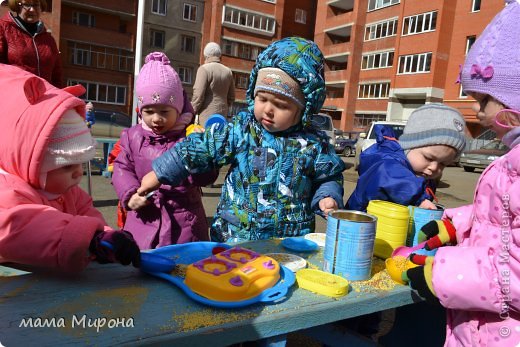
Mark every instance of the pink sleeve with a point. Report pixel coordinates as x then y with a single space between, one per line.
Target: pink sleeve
464 278
39 235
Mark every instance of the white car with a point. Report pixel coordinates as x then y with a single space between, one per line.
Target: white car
369 138
324 122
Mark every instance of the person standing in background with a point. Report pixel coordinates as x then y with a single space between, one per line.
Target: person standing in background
214 88
26 43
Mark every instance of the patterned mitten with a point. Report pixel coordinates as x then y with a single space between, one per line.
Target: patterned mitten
438 233
420 277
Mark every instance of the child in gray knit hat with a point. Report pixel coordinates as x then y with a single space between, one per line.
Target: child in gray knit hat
405 171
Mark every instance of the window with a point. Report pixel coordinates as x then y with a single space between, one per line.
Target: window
249 21
185 74
187 44
377 60
239 49
461 93
377 4
157 38
420 23
300 16
470 40
100 57
362 120
475 6
98 92
380 30
241 80
414 63
373 90
83 19
159 7
189 13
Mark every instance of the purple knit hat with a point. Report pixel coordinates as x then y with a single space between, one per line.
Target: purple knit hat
493 63
158 83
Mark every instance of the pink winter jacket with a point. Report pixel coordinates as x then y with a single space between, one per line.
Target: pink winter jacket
478 281
33 229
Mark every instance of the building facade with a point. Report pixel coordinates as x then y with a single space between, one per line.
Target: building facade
385 58
175 28
243 28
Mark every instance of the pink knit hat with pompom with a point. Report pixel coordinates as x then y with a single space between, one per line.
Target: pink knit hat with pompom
158 83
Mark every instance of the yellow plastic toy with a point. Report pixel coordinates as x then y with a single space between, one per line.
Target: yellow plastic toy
396 265
392 226
192 127
235 274
321 282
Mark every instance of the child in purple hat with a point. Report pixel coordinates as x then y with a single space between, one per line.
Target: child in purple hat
478 279
171 215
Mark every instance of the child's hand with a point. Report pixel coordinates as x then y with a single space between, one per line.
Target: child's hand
148 184
122 248
437 233
420 277
328 205
427 204
137 201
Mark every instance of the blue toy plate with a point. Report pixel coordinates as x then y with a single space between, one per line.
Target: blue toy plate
191 252
299 244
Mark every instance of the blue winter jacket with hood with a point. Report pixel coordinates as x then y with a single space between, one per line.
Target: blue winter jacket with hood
275 180
386 174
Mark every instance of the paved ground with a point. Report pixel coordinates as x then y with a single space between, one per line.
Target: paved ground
456 189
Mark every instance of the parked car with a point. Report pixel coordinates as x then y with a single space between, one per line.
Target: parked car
482 157
110 124
346 143
324 122
369 138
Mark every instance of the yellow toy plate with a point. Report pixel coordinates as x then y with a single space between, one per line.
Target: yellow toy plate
235 274
321 282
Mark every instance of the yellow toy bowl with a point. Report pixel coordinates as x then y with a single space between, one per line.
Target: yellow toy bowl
192 127
396 266
321 282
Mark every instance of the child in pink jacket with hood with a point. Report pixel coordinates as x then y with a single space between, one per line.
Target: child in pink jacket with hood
46 219
478 279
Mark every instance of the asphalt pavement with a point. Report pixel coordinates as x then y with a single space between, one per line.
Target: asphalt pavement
455 189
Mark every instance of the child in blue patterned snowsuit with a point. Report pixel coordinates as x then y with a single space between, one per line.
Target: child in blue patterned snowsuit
282 168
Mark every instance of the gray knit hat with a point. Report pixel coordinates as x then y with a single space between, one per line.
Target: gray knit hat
434 124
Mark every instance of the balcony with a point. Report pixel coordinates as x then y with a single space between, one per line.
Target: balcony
100 60
336 78
345 5
122 8
97 36
250 21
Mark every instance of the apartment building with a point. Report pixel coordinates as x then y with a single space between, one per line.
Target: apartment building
243 28
385 58
97 43
96 39
175 28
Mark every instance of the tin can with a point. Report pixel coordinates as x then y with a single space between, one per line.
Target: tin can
419 217
349 244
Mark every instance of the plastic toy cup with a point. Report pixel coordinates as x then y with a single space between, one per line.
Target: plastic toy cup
392 226
192 127
215 119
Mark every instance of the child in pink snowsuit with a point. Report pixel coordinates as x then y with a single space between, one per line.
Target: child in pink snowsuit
46 219
477 278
